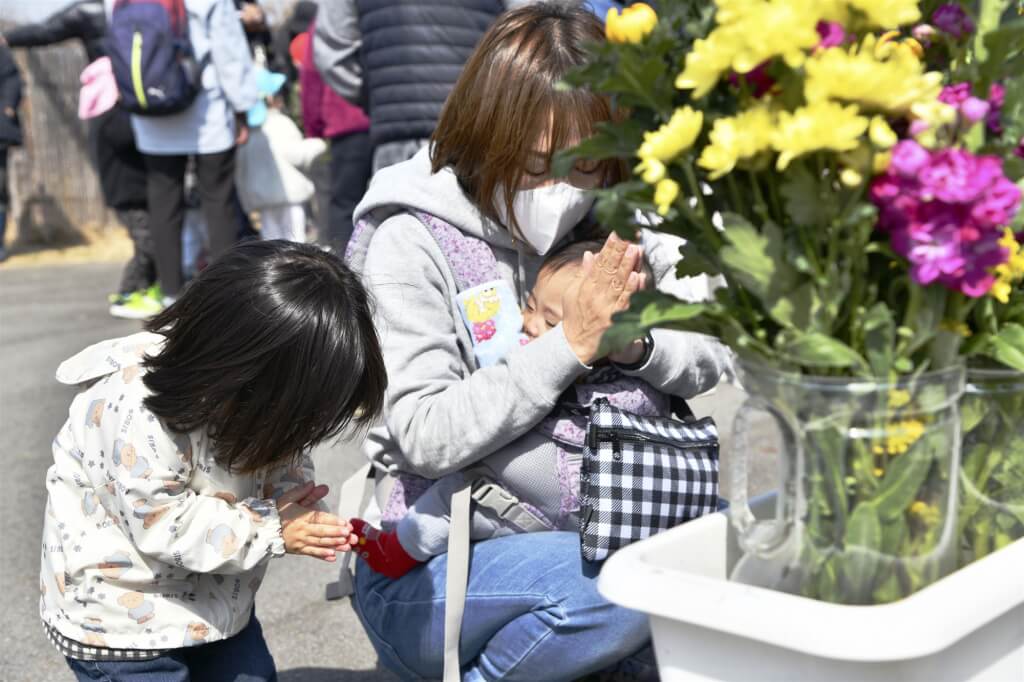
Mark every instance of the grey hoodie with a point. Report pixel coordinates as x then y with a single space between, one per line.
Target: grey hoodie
442 412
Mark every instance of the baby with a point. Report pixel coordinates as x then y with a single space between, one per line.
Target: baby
543 472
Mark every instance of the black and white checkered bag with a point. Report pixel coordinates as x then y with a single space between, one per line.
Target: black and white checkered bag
643 475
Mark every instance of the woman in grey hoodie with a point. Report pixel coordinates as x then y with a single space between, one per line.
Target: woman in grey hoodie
532 612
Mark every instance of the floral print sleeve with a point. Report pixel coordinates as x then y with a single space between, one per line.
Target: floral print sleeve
149 470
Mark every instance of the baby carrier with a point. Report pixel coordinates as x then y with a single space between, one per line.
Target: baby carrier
637 474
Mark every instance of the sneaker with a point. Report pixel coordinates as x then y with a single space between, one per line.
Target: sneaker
138 305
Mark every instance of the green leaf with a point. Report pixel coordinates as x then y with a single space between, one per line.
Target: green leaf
802 193
862 540
651 309
907 472
1006 347
879 338
757 260
818 350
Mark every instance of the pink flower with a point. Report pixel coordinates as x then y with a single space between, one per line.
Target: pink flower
757 79
945 212
950 18
996 96
971 108
908 157
832 34
923 33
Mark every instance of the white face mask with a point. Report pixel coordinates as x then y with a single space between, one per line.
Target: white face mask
545 214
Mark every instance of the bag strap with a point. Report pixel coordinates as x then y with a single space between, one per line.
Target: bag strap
355 492
456 579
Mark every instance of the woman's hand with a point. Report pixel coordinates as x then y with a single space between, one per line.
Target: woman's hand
308 531
602 288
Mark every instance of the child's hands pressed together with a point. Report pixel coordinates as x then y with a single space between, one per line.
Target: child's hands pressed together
308 531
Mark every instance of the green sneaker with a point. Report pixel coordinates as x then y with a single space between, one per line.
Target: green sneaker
138 305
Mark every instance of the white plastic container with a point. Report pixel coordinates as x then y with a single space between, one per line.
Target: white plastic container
967 626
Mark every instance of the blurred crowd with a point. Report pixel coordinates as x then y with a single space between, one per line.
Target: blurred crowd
209 123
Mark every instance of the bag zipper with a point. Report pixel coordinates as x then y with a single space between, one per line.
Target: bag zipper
616 437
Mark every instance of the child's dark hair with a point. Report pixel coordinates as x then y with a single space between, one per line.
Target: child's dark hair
572 254
272 349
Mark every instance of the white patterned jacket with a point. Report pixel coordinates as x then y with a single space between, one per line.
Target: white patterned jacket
147 543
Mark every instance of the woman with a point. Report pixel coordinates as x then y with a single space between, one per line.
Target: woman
531 612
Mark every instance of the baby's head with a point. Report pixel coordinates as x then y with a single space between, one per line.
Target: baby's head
544 306
271 350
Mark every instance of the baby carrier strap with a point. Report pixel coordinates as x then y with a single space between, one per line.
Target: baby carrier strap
470 259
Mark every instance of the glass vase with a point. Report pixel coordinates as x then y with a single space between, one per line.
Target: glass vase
992 470
866 512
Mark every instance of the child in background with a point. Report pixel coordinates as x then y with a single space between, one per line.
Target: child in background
544 474
184 465
272 168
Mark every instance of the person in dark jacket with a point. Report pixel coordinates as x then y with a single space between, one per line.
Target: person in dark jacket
399 59
119 165
10 129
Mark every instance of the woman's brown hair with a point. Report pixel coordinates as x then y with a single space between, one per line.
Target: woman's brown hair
509 90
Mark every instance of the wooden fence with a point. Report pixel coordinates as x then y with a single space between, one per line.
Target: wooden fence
55 195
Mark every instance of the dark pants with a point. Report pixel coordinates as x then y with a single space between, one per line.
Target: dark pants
140 271
3 194
165 189
351 158
242 658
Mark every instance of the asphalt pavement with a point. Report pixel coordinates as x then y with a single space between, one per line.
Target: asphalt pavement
49 312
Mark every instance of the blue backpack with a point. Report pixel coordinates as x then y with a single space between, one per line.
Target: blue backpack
149 49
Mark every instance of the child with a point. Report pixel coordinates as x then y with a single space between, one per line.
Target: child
272 167
184 465
544 475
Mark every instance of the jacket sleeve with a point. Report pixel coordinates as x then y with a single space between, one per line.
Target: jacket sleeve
283 478
683 363
74 21
336 45
171 523
441 416
312 94
10 81
229 53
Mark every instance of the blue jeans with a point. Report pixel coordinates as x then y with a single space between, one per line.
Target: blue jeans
532 613
242 658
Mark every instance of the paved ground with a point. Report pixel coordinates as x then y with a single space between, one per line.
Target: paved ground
47 313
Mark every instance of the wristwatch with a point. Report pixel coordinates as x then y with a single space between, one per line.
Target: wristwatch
645 357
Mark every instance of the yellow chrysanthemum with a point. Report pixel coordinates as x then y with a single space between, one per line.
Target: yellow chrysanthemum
898 397
888 13
651 170
674 137
705 63
634 24
665 194
1009 272
819 125
928 514
750 32
737 138
880 134
893 84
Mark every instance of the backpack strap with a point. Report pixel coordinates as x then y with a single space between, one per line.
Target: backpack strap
456 580
355 492
489 494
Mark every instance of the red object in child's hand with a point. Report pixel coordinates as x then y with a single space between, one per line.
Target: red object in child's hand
382 551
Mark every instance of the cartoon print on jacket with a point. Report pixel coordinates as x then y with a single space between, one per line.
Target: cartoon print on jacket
94 415
139 609
184 445
222 539
115 565
125 456
196 633
149 514
90 503
93 632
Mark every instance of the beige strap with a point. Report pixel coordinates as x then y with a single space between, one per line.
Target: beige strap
456 579
355 492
